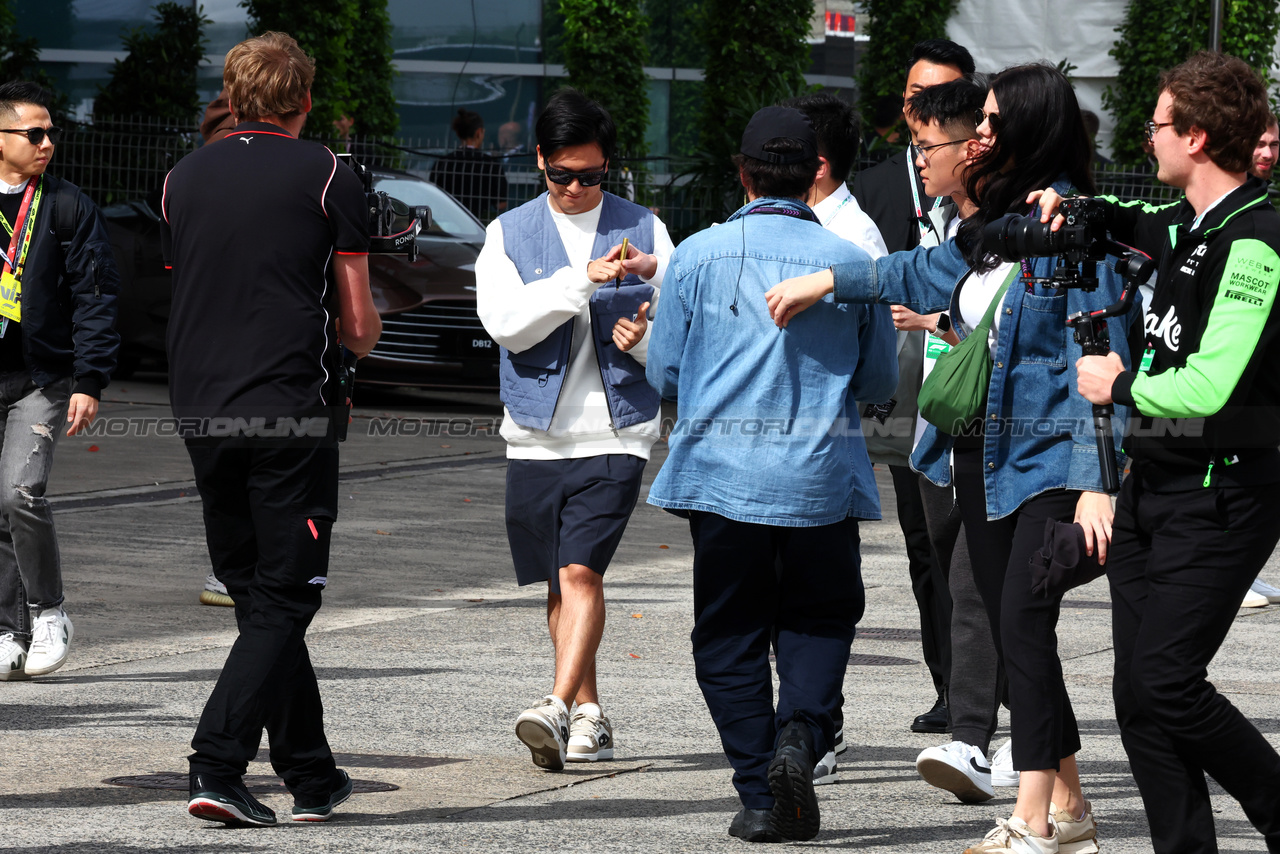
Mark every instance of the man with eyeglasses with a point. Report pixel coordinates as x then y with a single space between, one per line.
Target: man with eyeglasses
893 196
569 312
57 350
1196 517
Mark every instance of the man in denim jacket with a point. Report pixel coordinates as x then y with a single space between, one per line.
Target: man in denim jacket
768 463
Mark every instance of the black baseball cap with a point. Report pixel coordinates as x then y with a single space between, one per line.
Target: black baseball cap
773 123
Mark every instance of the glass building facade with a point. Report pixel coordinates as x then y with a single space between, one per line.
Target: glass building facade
491 56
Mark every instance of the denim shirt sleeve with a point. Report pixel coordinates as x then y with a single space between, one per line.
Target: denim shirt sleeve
922 279
876 377
667 336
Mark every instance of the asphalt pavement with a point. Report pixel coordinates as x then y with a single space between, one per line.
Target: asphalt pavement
427 651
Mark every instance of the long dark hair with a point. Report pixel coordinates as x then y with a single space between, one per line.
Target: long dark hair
1041 139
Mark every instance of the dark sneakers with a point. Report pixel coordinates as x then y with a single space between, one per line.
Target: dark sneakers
795 808
323 812
754 826
230 803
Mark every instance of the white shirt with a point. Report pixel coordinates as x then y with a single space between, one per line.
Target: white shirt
10 189
839 213
975 297
519 315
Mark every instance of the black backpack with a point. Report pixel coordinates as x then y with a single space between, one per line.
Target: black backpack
65 201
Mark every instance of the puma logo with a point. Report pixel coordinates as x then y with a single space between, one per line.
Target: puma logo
246 139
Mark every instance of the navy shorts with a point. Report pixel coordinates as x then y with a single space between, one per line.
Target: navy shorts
568 511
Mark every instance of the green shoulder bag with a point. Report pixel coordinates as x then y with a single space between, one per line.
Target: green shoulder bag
954 395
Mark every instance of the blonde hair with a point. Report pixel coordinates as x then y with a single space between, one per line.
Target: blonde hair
268 75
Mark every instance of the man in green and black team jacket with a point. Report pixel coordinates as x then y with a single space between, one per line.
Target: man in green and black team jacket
1197 515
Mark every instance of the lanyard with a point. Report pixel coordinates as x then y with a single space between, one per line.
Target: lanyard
922 222
843 202
783 209
20 239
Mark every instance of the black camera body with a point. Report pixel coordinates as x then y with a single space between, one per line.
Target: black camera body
1083 237
393 225
1079 245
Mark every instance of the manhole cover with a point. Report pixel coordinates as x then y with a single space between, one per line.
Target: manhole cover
1086 603
258 784
888 634
862 660
377 760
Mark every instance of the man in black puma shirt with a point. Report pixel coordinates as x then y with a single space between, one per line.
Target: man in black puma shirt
268 239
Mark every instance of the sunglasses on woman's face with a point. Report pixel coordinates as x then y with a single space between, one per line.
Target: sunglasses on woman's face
564 177
992 119
35 136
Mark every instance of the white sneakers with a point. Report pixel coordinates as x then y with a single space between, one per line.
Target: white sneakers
1075 835
545 731
825 771
1260 595
1013 836
1002 773
590 735
13 659
50 641
1253 599
215 592
958 767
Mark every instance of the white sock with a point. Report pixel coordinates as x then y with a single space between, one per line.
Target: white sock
592 709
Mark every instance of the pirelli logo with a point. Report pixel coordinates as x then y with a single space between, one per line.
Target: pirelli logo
1240 296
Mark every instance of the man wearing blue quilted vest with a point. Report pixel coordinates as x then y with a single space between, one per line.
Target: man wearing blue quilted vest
569 312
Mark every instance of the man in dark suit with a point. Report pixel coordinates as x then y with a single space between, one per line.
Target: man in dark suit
893 196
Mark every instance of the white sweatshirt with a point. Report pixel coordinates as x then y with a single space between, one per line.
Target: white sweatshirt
519 315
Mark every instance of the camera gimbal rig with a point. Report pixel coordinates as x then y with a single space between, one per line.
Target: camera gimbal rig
1079 246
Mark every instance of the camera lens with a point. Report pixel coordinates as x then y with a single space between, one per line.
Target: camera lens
1014 237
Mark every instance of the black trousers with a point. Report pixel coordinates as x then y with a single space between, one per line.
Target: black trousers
928 577
268 512
1023 626
753 582
977 682
1179 565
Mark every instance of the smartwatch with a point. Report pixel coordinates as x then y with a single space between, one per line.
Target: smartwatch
943 327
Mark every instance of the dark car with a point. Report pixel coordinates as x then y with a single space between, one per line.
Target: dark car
431 336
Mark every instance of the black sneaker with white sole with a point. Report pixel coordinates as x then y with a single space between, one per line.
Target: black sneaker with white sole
323 812
795 807
230 803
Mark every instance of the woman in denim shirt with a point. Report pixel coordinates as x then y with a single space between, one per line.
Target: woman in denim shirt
1036 458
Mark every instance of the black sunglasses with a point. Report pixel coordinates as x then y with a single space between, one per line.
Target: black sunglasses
993 119
586 179
35 136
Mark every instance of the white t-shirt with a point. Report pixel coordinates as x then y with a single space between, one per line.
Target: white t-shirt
975 297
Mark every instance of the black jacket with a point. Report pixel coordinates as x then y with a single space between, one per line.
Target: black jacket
1208 400
69 299
884 194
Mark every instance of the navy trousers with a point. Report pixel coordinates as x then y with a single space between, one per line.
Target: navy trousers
753 582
